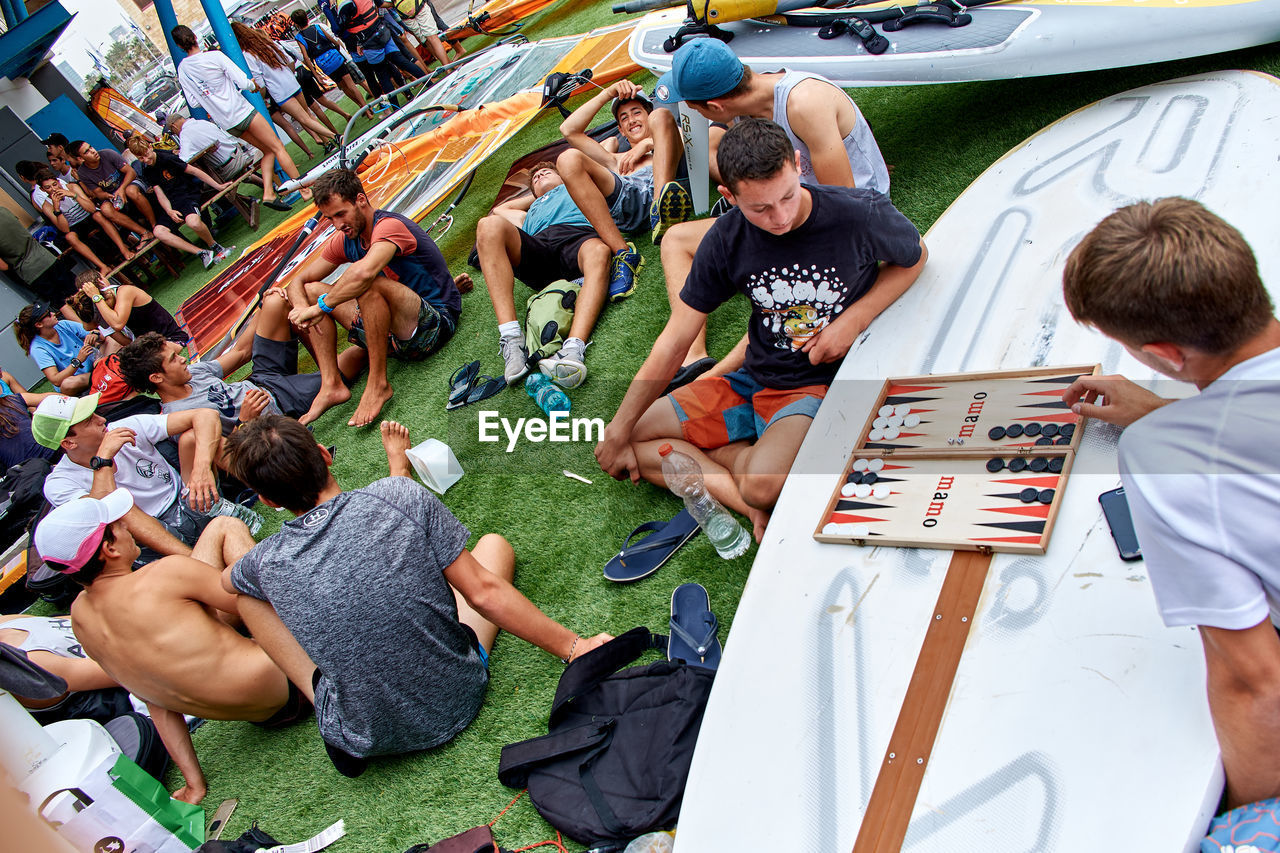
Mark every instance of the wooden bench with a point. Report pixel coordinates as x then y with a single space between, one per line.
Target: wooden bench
248 207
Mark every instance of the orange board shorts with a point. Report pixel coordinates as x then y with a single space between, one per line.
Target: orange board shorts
735 407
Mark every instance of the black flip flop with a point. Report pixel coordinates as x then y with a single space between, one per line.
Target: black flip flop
484 388
651 553
461 384
693 628
688 373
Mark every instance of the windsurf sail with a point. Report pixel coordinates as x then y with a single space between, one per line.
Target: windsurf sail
414 167
122 114
495 18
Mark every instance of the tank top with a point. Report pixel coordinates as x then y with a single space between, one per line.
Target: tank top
153 318
869 170
47 634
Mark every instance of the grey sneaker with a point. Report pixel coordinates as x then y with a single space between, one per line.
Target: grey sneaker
515 359
566 368
206 257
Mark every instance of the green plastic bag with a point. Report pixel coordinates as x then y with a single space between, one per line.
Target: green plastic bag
548 315
182 819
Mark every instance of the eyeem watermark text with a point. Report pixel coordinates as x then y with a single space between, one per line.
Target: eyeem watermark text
559 427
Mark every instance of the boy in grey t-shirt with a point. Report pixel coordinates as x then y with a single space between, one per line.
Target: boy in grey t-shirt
151 363
370 601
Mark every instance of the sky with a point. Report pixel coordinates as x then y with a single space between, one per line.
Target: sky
89 29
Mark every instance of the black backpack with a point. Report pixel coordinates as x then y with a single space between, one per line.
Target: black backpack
614 763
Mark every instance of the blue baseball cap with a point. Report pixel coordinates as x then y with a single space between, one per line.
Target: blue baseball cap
701 70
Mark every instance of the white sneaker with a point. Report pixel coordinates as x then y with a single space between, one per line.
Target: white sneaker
206 257
515 359
566 368
223 253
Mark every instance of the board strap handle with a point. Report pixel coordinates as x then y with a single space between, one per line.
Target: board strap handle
938 13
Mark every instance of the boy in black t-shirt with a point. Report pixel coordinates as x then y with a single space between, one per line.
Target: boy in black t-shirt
818 264
176 184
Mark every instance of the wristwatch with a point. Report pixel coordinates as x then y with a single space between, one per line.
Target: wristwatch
98 298
101 462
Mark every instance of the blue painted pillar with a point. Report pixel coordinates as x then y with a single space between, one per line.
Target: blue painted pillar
168 20
14 12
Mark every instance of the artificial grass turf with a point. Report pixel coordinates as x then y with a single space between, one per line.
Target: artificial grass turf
939 138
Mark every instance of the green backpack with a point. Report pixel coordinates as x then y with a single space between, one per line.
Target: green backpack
548 315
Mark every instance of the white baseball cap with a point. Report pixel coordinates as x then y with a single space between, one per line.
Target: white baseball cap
71 534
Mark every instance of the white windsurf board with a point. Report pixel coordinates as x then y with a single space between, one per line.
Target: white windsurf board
1074 709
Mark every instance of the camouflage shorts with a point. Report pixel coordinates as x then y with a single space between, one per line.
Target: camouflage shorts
434 329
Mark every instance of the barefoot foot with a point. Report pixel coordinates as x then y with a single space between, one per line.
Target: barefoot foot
463 282
395 441
325 400
371 403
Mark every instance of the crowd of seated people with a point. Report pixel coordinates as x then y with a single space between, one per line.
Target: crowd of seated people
298 621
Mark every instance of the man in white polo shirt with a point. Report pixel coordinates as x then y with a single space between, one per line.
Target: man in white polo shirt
101 456
225 156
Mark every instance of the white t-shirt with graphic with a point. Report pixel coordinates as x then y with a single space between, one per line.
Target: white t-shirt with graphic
140 469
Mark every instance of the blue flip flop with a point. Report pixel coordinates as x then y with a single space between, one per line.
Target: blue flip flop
693 627
647 556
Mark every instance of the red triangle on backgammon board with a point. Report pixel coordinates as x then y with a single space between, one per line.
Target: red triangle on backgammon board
840 517
1046 482
1034 510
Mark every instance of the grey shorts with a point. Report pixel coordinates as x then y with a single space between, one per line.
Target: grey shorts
242 125
243 158
275 368
434 330
185 523
629 202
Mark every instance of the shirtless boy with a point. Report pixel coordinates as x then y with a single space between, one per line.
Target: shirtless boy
162 632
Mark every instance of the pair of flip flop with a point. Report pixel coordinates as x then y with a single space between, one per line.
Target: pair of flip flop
467 386
694 628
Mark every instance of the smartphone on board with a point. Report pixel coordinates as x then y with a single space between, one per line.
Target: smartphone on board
1116 510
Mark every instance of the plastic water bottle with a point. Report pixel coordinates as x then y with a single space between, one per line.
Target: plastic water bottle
546 393
684 478
251 519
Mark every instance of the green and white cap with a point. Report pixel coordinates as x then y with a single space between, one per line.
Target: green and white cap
57 414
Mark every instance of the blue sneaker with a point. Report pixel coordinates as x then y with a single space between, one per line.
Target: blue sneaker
624 273
670 207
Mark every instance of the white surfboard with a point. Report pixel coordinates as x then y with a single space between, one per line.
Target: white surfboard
1076 720
1006 40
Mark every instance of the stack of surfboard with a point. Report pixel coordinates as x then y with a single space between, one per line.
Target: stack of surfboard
1074 716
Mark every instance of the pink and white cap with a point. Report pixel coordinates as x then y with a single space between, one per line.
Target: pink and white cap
71 534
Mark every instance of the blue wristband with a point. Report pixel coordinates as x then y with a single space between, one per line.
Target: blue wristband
323 307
